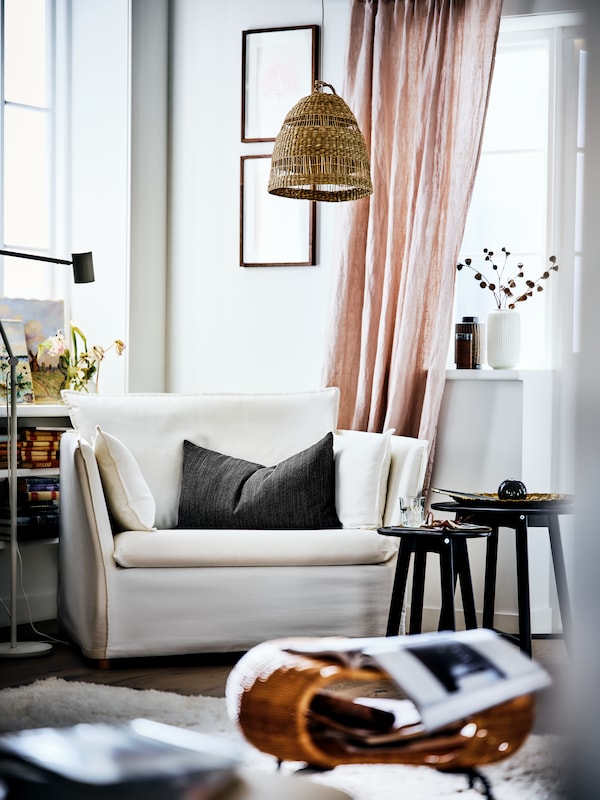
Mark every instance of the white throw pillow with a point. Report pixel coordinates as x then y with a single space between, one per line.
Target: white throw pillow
127 494
362 466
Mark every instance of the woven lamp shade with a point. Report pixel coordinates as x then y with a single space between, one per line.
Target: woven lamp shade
320 152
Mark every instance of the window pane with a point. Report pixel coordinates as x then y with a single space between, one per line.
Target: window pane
26 178
508 208
517 116
25 54
24 278
581 95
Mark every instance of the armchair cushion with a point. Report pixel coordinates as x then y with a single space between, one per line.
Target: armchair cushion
219 491
128 497
362 467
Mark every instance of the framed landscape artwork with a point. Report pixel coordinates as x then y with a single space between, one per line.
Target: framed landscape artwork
40 319
279 67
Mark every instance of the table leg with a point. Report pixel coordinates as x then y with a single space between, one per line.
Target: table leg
418 590
399 588
489 583
523 584
463 571
448 581
560 573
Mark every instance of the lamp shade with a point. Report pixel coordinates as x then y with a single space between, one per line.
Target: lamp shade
320 152
83 268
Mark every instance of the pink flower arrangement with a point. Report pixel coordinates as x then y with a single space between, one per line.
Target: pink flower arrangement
79 364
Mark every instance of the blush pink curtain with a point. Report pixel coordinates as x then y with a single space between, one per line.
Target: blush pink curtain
418 78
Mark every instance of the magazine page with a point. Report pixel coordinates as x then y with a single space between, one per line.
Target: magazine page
452 675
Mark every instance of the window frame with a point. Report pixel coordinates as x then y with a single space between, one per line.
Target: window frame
54 282
559 30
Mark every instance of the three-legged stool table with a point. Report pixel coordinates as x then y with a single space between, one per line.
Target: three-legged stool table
520 517
451 546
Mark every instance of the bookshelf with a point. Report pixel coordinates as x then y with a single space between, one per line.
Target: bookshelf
34 417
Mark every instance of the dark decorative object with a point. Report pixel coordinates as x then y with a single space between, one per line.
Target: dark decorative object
512 490
467 350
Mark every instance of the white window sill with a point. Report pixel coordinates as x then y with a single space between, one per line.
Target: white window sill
488 374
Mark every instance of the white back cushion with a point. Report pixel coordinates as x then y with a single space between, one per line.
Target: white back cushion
262 428
407 473
127 494
362 465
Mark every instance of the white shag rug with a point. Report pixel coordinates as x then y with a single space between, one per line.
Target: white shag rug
533 773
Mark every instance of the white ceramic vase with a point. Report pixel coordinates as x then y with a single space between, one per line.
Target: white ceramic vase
503 339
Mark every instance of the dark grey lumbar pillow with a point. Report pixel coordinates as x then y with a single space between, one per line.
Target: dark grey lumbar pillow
219 491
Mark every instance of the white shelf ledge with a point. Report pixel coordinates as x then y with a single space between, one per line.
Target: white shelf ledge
488 374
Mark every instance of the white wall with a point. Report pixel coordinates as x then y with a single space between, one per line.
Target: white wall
233 328
100 123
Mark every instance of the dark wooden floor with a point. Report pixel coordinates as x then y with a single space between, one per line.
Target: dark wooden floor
206 674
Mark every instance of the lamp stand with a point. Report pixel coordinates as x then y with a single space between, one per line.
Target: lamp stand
14 648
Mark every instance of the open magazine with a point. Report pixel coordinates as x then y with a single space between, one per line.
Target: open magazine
444 678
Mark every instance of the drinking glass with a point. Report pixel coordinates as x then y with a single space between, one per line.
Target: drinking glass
412 511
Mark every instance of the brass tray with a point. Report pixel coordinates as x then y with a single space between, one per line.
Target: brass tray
532 500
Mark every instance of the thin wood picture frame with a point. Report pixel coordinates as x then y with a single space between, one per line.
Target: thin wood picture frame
274 231
279 67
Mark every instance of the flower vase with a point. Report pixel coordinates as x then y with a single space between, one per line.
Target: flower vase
503 338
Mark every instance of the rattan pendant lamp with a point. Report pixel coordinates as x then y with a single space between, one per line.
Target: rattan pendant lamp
320 152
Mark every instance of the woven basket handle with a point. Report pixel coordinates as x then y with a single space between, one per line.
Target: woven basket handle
320 84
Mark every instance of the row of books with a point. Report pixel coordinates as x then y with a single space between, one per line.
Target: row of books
36 448
37 507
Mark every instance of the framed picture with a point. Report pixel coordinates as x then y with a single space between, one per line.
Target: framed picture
15 333
274 231
279 67
41 319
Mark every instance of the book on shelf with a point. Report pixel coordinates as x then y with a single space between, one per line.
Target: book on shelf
24 518
37 506
53 463
37 483
139 758
444 678
42 434
37 455
41 494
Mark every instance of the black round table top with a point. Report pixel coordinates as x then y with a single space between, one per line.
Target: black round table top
504 507
464 532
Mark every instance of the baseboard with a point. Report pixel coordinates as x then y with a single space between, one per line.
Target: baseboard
508 622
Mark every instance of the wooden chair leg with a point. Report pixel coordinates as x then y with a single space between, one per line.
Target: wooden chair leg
448 582
418 590
463 571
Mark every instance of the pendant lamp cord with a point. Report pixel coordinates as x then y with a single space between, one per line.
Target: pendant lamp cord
322 37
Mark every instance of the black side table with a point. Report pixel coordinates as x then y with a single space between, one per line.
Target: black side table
451 546
519 518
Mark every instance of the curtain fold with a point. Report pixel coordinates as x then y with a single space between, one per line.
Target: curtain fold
418 77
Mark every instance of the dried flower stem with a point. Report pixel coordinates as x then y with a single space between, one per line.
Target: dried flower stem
507 293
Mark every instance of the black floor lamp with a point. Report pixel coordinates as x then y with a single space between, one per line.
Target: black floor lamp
83 272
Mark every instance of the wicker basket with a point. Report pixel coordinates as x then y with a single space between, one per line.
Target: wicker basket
269 696
320 152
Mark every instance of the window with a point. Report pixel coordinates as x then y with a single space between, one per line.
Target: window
529 180
31 126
